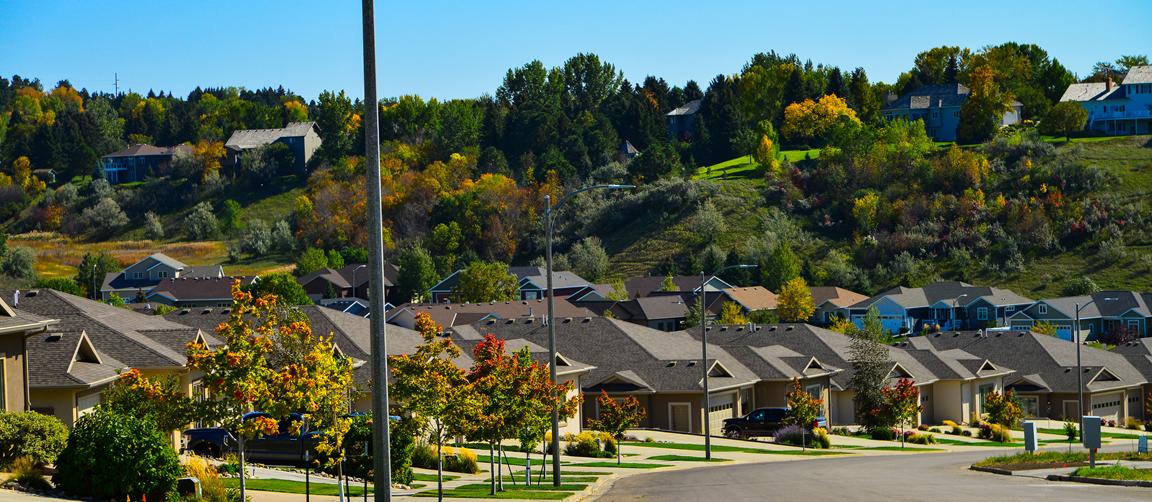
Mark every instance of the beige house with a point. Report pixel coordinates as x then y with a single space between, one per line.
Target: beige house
15 329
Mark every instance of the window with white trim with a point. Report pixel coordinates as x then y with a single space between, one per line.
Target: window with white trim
1042 309
982 313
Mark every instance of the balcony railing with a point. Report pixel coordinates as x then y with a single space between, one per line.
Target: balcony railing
1133 114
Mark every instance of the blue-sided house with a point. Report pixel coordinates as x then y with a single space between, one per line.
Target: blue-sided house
1117 109
938 106
944 305
1107 313
139 161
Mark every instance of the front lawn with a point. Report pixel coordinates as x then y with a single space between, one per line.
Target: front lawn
723 448
285 486
685 458
515 494
418 476
1103 434
899 448
623 465
1053 459
1115 472
994 444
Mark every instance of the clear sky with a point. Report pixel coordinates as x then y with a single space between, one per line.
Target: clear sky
450 49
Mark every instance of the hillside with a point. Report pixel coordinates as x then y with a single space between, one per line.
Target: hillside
740 196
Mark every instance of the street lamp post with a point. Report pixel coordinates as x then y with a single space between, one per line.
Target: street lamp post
1079 366
354 279
704 355
549 219
955 304
382 460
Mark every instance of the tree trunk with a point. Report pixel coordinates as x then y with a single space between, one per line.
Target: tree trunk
492 466
242 474
342 483
439 464
527 467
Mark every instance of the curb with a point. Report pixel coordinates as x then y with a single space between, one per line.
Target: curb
992 470
1100 481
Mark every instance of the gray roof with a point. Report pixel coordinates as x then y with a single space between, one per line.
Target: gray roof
1138 75
1051 359
657 361
251 138
1087 91
1102 304
135 339
931 96
1139 354
144 150
689 108
829 347
59 360
651 308
945 291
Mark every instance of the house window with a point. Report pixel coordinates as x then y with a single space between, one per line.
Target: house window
138 275
1042 309
982 394
1030 405
814 390
982 313
163 274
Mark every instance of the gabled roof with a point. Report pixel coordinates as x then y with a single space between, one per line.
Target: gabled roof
651 308
639 287
1051 358
664 362
689 108
140 150
753 298
1138 75
931 96
251 138
135 339
199 288
945 293
68 360
838 297
1109 304
455 314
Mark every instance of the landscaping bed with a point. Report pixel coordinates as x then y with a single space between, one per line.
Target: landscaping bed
1051 460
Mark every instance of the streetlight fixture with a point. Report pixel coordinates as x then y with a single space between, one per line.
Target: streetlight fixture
382 459
704 353
549 218
354 279
955 304
1079 367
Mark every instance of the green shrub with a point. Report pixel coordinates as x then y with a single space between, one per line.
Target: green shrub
935 430
957 431
842 431
1071 431
112 456
27 434
884 434
455 459
923 427
586 444
922 439
966 433
820 438
1133 424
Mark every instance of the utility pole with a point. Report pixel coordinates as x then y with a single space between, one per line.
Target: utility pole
116 82
381 460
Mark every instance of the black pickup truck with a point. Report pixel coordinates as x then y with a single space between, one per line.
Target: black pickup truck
283 448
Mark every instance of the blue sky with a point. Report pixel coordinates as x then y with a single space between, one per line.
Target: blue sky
451 49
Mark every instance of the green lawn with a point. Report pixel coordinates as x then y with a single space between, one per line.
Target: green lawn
481 491
512 460
1103 434
566 478
899 448
1115 472
419 476
685 458
993 444
744 167
623 465
284 486
1056 458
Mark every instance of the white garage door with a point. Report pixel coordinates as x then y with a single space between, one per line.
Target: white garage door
1108 406
86 404
720 407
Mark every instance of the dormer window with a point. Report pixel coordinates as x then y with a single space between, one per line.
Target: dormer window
1042 309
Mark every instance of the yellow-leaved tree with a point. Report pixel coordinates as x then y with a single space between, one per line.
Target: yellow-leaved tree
813 119
732 313
795 303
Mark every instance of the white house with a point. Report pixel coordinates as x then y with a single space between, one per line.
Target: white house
1117 109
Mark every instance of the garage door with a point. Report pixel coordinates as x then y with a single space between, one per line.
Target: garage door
1064 331
720 407
680 417
1108 406
86 404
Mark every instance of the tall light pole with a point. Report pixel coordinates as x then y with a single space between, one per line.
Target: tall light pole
354 279
955 304
1079 367
549 218
704 355
382 459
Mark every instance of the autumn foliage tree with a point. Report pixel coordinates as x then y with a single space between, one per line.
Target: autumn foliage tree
428 384
803 408
901 404
158 399
270 361
810 119
795 303
616 417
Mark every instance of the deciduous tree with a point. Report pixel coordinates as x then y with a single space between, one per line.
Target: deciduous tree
902 404
486 282
795 303
1064 118
616 417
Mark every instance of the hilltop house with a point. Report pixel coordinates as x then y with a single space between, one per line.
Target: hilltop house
350 281
831 302
139 279
682 121
938 106
951 305
137 162
1117 109
1106 312
302 138
532 284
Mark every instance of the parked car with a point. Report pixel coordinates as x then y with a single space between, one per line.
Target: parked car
283 448
761 422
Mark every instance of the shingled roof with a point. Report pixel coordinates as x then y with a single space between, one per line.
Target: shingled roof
135 339
140 150
627 357
68 360
1039 357
244 139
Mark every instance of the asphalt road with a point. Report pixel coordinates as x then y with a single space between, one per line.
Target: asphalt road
923 477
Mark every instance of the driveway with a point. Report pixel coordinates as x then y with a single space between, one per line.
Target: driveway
935 477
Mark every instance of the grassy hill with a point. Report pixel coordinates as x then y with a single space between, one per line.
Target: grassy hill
641 248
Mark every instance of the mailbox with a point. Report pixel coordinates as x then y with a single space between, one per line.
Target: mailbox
1031 442
1090 431
1142 445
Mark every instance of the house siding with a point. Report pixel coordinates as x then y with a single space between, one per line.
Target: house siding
12 352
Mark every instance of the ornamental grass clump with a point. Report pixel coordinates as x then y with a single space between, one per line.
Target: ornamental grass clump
27 473
796 435
922 438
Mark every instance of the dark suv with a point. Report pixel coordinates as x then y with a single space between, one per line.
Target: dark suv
761 422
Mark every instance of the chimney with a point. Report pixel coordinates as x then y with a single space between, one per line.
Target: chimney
1108 84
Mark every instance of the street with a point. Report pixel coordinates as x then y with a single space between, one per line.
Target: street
935 477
